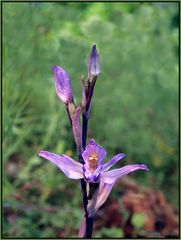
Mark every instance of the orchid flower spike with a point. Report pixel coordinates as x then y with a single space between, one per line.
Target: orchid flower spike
63 85
93 170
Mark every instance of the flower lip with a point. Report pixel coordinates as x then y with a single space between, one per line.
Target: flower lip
93 154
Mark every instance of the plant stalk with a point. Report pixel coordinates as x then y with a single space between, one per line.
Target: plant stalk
89 220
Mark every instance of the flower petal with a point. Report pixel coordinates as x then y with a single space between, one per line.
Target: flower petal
92 177
99 197
106 184
113 175
114 160
67 165
93 149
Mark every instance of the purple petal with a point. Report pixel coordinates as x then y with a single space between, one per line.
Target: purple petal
77 129
114 160
113 175
99 196
93 149
107 182
67 165
63 85
92 177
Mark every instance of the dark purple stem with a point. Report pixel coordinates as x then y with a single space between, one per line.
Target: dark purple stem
85 119
89 94
89 226
83 183
89 220
84 129
69 115
84 192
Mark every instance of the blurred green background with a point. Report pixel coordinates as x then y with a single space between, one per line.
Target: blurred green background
134 110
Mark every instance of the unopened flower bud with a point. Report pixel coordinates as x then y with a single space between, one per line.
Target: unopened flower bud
93 63
63 85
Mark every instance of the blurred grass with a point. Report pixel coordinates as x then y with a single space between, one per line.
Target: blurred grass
135 106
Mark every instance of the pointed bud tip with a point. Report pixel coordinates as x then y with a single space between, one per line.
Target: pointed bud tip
94 51
40 153
123 154
94 47
144 167
55 68
93 63
92 141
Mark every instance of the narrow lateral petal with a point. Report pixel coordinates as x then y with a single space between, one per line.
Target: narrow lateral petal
67 165
99 197
106 184
113 175
114 160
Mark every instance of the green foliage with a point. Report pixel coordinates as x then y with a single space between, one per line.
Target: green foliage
110 232
138 220
134 110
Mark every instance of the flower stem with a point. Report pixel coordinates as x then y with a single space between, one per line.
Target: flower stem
85 119
89 93
89 227
84 191
89 220
84 129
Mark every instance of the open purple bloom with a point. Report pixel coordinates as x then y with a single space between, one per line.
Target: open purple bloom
63 85
93 170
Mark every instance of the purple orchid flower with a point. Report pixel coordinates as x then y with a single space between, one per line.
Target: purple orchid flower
63 85
93 170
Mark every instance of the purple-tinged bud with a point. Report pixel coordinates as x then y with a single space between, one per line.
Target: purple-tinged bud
93 63
77 129
63 85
